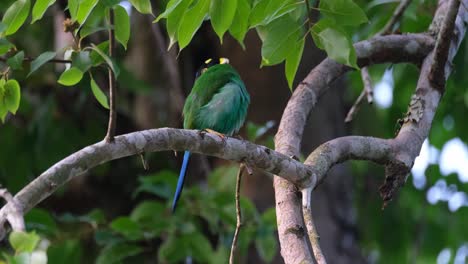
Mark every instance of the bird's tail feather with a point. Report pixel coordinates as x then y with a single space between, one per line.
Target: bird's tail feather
180 182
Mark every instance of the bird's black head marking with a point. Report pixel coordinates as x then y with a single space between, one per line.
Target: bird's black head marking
208 63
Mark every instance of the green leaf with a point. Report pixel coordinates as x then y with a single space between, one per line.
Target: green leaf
116 252
201 247
335 42
68 251
265 11
143 6
222 14
174 18
161 184
16 62
73 6
84 9
191 22
82 60
122 25
98 94
70 77
41 60
41 220
39 8
3 27
170 7
174 249
11 95
279 38
106 58
88 30
23 242
343 12
147 211
240 23
5 46
292 62
127 227
15 16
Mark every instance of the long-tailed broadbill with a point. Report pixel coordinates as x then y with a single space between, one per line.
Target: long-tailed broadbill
218 102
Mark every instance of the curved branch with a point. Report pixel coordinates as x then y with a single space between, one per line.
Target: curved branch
391 48
383 49
150 141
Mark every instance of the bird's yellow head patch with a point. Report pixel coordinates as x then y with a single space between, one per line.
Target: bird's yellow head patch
210 62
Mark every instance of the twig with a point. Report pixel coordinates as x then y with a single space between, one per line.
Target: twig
367 84
439 69
309 14
397 14
143 161
366 79
356 106
28 59
238 213
311 229
112 90
15 216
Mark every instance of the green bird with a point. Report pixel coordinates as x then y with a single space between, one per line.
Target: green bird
218 102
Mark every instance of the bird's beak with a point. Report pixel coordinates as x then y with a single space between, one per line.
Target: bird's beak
223 61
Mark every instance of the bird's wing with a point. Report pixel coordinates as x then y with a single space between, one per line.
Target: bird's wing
226 111
203 91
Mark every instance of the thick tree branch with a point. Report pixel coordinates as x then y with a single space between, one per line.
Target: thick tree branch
15 214
392 48
403 149
366 79
426 98
156 140
440 69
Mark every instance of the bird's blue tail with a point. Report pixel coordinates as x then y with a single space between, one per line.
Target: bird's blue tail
180 182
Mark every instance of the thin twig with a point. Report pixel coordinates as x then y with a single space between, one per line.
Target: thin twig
311 229
143 161
309 14
366 79
112 90
28 59
238 213
366 92
356 106
397 14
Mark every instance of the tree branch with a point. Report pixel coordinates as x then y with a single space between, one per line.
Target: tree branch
153 140
440 69
311 228
404 148
366 79
15 214
392 48
366 92
238 213
397 14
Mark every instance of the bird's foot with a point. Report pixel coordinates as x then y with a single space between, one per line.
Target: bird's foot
221 135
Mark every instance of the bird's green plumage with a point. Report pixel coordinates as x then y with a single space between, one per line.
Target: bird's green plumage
218 101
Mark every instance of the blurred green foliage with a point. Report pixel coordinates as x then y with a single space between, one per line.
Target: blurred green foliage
134 224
